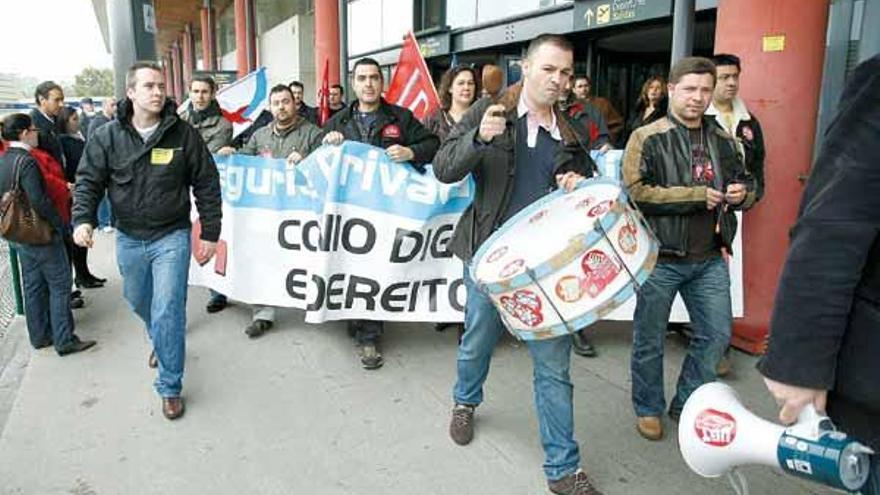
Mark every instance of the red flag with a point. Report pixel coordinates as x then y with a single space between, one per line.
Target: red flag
411 86
324 95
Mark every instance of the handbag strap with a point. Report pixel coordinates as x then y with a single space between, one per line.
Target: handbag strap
16 173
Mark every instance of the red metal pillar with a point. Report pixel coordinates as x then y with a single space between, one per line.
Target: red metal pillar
209 38
175 72
326 40
189 59
245 39
782 46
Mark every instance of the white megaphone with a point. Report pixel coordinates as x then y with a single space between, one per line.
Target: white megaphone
716 434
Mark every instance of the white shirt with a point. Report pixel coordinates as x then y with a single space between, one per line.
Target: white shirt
533 124
146 132
20 144
740 114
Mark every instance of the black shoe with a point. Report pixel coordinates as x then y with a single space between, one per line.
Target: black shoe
371 356
77 302
90 283
582 346
44 344
216 305
75 346
257 328
75 293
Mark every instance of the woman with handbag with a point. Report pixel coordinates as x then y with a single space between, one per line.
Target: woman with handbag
34 226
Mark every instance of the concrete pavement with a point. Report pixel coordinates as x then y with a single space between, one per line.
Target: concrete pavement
294 413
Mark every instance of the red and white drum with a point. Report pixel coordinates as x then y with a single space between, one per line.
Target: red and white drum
567 260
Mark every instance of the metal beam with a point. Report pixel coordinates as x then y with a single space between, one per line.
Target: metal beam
682 29
132 36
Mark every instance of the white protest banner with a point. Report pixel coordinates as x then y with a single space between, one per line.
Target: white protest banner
345 234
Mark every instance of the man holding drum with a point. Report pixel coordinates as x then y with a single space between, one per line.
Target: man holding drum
685 174
517 149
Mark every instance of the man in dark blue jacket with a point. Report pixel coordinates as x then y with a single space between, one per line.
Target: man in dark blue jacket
372 120
149 160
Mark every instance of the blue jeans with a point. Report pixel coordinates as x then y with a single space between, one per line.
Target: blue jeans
552 385
105 213
46 278
155 275
705 288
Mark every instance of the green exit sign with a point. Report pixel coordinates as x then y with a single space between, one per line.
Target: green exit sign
596 14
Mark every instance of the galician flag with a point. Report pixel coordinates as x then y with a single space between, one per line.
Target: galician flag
242 101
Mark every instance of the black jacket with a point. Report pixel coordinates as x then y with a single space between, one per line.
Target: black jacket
149 183
493 167
637 118
32 183
657 172
48 136
394 125
73 148
825 329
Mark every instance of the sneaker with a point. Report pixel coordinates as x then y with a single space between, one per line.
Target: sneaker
371 356
257 328
461 428
108 230
577 483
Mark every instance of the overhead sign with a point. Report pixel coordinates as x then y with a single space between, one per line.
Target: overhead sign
596 14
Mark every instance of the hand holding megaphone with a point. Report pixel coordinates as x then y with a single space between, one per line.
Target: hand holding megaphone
716 434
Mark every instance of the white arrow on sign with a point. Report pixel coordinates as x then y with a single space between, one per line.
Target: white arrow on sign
589 17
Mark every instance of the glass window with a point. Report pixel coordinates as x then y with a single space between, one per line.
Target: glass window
364 17
428 14
397 19
226 30
461 13
379 24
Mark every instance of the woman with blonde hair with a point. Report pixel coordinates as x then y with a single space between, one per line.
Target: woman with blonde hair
652 104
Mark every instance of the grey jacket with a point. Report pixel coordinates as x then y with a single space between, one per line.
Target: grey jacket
298 137
215 130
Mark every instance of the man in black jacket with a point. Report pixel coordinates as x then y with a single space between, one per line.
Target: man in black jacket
825 329
516 151
373 121
684 173
298 91
50 100
148 160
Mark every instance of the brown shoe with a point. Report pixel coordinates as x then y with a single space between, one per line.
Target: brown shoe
172 407
577 483
650 427
153 361
461 428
